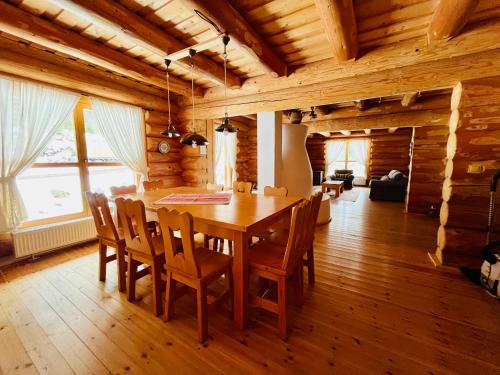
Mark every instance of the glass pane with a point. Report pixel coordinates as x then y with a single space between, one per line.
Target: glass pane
102 178
62 146
50 192
97 148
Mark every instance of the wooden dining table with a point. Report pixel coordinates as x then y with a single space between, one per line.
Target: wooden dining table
245 216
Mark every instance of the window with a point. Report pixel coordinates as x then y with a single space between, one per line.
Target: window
225 159
348 154
76 160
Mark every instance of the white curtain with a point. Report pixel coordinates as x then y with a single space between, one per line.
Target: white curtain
358 152
225 158
335 151
123 128
30 114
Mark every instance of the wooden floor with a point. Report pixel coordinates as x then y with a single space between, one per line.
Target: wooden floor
378 306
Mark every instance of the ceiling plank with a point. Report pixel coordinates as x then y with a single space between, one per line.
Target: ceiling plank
228 20
339 22
115 18
449 17
409 99
394 120
29 27
31 63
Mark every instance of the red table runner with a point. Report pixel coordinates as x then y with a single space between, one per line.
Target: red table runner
219 198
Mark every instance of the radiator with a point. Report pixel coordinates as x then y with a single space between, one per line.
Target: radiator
35 240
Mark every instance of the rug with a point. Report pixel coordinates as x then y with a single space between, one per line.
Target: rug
219 198
349 195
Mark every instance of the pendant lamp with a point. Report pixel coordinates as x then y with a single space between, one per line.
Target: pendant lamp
193 139
225 127
170 131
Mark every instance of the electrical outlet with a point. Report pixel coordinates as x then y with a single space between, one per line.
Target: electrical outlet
475 168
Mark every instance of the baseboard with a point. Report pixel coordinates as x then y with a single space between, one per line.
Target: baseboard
435 261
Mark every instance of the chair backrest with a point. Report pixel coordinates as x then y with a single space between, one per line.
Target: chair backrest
153 185
183 260
242 187
215 187
103 219
132 216
276 191
294 246
119 190
312 218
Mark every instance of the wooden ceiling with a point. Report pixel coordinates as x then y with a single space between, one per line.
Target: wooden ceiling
292 28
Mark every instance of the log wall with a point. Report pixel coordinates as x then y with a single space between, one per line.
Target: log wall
316 150
427 168
473 143
390 151
162 167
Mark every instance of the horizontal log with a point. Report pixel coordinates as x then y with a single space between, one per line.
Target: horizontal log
171 181
30 63
471 217
404 119
479 92
466 195
164 169
457 171
157 157
159 117
460 240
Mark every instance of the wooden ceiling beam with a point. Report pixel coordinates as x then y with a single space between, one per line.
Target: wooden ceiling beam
229 21
394 120
449 17
26 62
409 99
27 26
117 19
390 57
339 22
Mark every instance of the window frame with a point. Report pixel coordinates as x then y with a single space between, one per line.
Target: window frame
81 163
346 160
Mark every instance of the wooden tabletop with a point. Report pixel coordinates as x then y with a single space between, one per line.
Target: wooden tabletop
244 210
326 183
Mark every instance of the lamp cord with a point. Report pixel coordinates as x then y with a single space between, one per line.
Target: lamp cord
225 79
168 96
192 90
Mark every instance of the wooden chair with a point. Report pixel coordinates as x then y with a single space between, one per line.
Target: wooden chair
242 187
120 190
272 262
142 248
280 237
194 267
108 235
276 191
215 187
153 185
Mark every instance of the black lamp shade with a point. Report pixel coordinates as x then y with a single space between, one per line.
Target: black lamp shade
170 131
194 139
226 127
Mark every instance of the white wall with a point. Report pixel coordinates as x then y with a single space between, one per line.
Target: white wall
269 170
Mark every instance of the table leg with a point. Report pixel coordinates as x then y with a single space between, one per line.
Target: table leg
240 279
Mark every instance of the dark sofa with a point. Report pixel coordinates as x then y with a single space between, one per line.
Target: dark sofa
345 175
391 187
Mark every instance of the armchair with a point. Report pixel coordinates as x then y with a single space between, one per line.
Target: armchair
345 175
391 187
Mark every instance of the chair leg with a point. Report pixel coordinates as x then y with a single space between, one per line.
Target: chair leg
282 308
221 247
263 286
131 277
299 284
230 246
206 241
311 277
216 244
229 276
201 303
169 297
121 267
102 261
156 276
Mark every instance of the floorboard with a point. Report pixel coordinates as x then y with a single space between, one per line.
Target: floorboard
378 306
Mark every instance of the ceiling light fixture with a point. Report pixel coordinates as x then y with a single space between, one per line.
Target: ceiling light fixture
225 127
193 139
313 114
170 131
